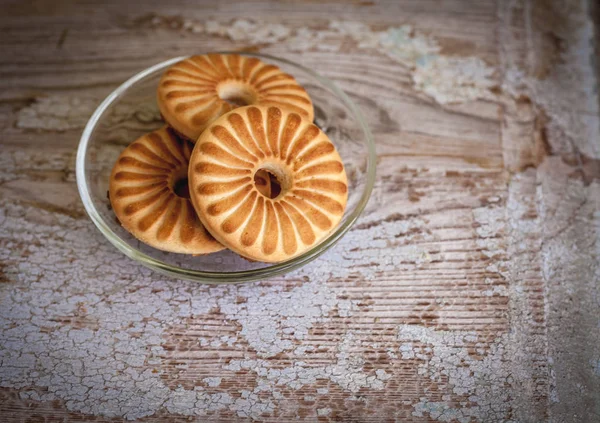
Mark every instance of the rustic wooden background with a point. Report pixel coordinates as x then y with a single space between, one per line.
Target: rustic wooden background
468 291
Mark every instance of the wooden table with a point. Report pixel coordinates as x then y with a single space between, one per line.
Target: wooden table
468 291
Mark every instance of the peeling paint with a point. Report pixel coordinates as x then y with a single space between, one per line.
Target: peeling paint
559 75
249 31
446 79
347 372
56 113
271 327
445 355
213 382
118 316
455 80
66 112
126 337
324 411
573 82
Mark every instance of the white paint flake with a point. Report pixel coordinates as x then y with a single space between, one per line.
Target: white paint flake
324 411
212 381
247 31
453 79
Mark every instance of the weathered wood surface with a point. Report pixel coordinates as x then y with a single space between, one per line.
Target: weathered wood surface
468 291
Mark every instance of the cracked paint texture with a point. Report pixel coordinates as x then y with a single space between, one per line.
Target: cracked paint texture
116 318
103 341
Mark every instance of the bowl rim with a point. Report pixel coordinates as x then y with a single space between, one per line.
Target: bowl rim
220 277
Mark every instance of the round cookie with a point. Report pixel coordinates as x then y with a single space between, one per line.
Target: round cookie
309 171
149 194
194 92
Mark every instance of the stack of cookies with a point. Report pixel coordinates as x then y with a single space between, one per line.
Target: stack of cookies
239 165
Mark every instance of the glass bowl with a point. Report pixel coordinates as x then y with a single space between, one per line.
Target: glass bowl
131 110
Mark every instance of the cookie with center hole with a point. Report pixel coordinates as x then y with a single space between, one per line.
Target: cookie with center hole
149 194
311 190
196 91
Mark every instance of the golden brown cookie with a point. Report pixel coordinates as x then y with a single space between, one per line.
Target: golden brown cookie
194 92
149 194
309 171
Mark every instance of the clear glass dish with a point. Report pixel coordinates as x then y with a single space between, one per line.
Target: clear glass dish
131 110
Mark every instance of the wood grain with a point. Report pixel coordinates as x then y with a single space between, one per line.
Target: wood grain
468 290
